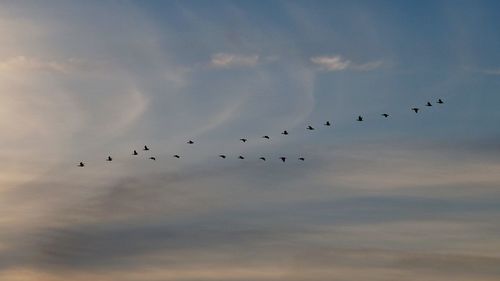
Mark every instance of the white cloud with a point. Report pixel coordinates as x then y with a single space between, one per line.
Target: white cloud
338 63
24 63
332 63
233 60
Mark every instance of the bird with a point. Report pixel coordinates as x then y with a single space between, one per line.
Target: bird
146 148
222 156
177 156
190 142
263 158
310 128
243 140
152 158
266 137
283 159
135 152
81 164
302 158
109 158
428 103
440 101
285 132
241 157
360 118
327 123
385 115
416 109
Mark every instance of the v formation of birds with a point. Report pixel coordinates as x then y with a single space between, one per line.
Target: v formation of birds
285 133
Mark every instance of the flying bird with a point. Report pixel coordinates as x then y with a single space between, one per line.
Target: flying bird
327 123
81 164
416 109
428 103
285 132
241 157
263 158
177 156
310 128
243 140
152 158
135 152
360 118
222 156
109 158
283 159
385 115
440 101
190 142
146 148
266 137
302 158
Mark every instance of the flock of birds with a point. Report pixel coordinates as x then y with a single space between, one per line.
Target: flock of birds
285 132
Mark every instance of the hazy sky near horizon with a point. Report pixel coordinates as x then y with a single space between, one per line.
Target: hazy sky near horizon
410 197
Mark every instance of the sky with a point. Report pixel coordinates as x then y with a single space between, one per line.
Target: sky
409 197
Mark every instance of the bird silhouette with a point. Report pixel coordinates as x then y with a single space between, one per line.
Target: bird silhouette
428 103
241 157
81 164
109 158
152 158
263 158
310 128
302 158
222 156
135 152
416 109
283 159
146 148
440 101
285 132
385 115
190 142
327 123
360 118
266 137
243 140
177 156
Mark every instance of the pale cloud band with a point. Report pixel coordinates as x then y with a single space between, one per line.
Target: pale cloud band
338 63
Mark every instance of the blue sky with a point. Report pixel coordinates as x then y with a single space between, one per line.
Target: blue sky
410 197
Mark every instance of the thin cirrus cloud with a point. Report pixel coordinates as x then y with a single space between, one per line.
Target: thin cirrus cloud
338 63
226 60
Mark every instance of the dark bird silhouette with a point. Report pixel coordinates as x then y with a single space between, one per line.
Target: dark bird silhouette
135 152
81 164
190 142
302 158
109 158
177 156
243 140
222 156
283 159
152 158
428 103
440 101
146 148
310 128
385 115
263 158
416 109
241 157
266 137
328 123
285 132
360 118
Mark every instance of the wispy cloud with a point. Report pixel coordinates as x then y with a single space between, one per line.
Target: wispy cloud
226 60
338 63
